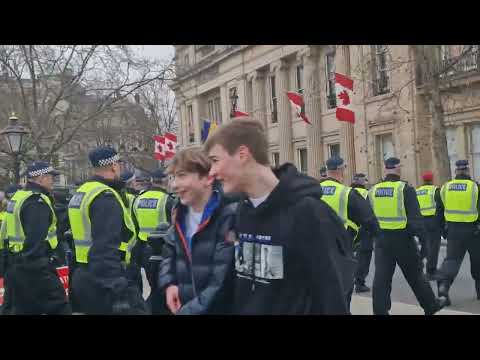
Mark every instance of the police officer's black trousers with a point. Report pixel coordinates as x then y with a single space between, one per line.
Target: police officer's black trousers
34 288
462 237
364 256
392 248
93 299
433 242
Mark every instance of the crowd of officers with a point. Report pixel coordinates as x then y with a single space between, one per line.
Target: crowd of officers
407 228
113 213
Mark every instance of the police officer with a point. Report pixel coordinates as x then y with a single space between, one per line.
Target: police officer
31 240
152 208
461 209
428 196
130 188
104 234
7 303
350 206
396 207
364 253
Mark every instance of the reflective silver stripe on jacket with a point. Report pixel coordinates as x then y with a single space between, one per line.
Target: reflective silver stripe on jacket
343 204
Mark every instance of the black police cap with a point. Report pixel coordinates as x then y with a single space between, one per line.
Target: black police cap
127 176
158 174
359 176
391 163
334 163
38 168
103 156
461 164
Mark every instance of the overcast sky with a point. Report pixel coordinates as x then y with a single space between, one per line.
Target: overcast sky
163 52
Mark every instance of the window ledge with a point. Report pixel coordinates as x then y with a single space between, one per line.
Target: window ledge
330 111
378 98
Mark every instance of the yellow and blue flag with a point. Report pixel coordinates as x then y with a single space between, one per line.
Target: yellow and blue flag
209 126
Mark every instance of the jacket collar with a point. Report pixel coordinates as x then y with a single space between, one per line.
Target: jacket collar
392 177
114 184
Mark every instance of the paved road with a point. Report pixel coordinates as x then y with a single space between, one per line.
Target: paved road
462 293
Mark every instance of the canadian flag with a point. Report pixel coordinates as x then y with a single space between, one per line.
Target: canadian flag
344 92
159 152
237 114
296 100
170 145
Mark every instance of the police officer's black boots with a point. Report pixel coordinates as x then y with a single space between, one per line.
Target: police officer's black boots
441 302
361 287
477 288
443 288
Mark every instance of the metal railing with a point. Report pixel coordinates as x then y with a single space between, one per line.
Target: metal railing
452 66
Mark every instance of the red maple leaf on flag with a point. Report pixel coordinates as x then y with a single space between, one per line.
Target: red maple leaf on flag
344 97
170 146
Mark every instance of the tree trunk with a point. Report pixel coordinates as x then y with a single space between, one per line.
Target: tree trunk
439 137
431 63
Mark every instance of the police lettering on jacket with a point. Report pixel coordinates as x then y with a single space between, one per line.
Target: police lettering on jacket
384 192
147 204
457 187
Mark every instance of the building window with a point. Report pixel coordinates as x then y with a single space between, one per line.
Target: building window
334 150
303 160
299 78
330 76
211 111
380 74
249 102
458 58
450 133
273 99
233 101
385 150
186 60
218 110
191 129
275 159
476 151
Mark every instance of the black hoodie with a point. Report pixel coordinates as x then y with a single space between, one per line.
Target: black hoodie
290 256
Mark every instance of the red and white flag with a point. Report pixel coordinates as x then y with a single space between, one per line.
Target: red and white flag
159 152
237 114
63 273
344 92
170 145
296 100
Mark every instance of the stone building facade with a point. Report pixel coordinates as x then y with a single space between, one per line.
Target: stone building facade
391 108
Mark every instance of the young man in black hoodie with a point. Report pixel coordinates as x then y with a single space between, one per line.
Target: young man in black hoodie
305 269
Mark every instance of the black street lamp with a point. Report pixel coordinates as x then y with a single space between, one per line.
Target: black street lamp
14 133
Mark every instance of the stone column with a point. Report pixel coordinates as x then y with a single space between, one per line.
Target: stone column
311 81
181 122
258 97
284 111
196 120
225 103
347 131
